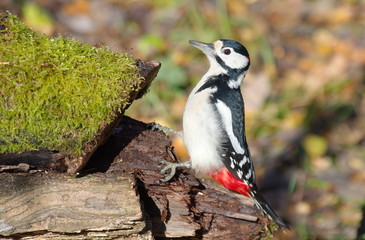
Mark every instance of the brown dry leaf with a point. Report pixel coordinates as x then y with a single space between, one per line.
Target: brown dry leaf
321 163
328 199
358 176
179 148
341 14
349 213
302 208
324 42
306 64
180 58
357 164
236 7
76 7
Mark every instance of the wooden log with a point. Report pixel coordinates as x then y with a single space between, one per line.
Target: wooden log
185 207
105 205
65 207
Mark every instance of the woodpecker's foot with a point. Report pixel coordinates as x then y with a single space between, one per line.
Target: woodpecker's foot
155 126
172 168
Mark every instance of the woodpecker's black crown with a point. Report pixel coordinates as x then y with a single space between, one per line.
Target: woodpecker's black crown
229 54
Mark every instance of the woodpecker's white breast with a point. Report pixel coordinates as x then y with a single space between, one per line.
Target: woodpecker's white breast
201 130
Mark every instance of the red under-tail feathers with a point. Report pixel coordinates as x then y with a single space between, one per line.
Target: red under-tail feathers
225 178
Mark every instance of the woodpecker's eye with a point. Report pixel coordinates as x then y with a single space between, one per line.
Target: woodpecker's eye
227 51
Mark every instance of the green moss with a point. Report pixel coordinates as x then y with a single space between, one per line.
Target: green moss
268 230
56 93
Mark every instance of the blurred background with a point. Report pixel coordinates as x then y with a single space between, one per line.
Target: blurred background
304 92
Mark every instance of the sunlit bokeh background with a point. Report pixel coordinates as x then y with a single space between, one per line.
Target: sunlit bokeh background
304 94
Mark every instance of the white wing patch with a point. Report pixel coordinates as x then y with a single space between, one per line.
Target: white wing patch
232 162
226 116
243 161
248 174
239 173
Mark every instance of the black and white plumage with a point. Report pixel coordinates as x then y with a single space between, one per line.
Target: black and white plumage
210 106
214 124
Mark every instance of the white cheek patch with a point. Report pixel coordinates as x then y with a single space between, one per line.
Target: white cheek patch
234 60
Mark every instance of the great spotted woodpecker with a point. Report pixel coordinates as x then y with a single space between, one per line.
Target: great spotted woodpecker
214 124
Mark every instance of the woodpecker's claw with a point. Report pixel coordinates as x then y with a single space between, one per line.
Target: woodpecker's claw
172 167
155 126
164 170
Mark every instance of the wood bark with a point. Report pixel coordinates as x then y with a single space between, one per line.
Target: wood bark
185 206
65 207
119 196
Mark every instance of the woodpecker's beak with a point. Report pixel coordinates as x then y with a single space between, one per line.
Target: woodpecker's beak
207 48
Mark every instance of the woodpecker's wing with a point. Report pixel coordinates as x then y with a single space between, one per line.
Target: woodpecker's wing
234 150
235 153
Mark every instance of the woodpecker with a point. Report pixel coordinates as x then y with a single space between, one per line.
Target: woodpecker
214 124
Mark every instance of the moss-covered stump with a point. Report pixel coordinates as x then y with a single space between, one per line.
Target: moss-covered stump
60 99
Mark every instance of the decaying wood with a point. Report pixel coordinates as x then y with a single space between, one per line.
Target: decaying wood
119 194
65 207
62 162
185 206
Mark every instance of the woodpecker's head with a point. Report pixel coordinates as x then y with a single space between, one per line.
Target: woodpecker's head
228 55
